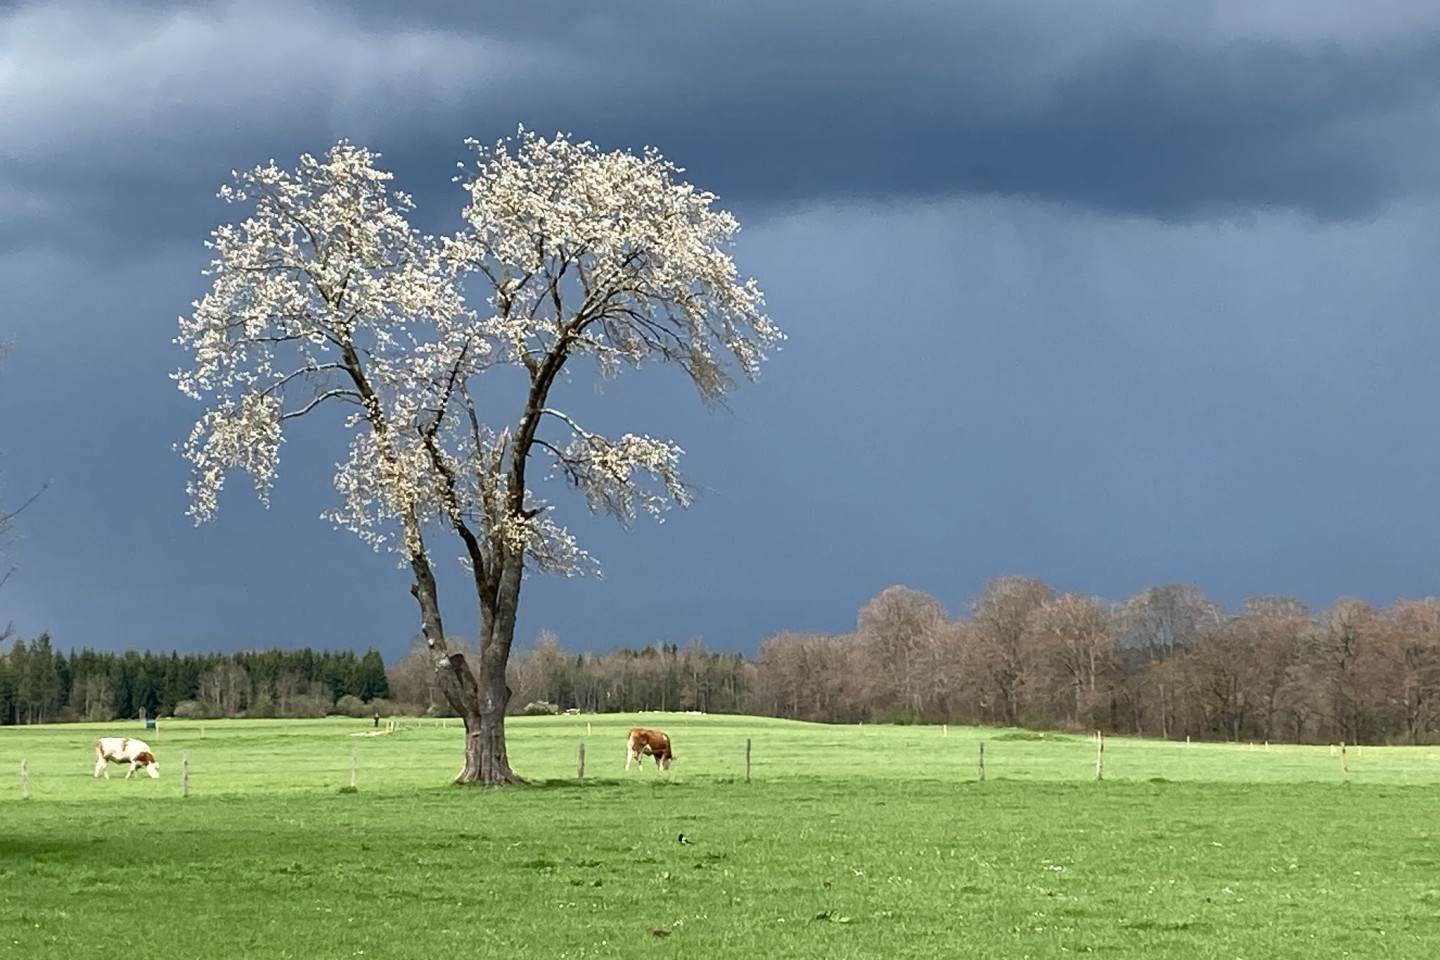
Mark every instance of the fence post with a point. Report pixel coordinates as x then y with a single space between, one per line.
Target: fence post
1099 755
1344 760
747 759
945 730
354 767
982 759
184 773
580 762
587 728
24 781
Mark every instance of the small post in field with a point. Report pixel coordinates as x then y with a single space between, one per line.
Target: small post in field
24 781
982 759
1267 746
1099 755
184 773
1344 760
202 732
580 762
1187 738
945 730
747 759
587 728
354 767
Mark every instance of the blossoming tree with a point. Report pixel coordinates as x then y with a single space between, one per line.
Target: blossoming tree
327 296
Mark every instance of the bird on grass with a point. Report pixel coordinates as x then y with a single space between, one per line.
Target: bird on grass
683 839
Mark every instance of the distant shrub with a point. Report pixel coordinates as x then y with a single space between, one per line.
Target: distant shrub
262 708
1033 735
308 706
540 708
393 708
351 706
195 710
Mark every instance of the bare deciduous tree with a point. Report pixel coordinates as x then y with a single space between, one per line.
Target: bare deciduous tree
1076 637
1271 634
1409 649
1004 655
900 632
225 688
1165 620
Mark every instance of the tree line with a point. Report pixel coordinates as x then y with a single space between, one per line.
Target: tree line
1169 663
39 684
546 679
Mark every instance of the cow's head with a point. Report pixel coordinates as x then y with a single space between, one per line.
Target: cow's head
666 760
151 766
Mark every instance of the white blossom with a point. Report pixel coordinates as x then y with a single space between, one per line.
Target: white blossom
325 295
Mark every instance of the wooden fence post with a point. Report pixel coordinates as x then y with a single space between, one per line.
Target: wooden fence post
747 759
580 762
982 759
184 773
354 767
945 730
1099 755
24 781
587 728
1344 760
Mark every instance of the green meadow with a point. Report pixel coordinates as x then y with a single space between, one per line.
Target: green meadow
845 842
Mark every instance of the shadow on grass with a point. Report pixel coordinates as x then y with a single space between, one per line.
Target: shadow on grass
45 849
570 783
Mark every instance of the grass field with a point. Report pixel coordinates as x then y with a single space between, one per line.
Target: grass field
848 842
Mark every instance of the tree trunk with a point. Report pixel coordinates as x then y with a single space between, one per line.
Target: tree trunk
487 762
483 699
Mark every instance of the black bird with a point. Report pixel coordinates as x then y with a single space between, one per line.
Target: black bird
683 839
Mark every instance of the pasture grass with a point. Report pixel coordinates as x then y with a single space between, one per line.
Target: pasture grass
848 842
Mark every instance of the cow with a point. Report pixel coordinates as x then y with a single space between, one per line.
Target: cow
137 753
642 741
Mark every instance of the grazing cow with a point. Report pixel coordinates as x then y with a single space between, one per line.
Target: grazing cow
137 753
653 742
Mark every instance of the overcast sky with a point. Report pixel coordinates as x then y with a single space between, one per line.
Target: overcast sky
1114 294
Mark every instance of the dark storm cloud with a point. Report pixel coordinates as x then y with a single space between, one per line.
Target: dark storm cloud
1115 294
1173 111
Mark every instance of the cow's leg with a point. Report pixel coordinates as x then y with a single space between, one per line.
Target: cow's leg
131 772
102 767
629 755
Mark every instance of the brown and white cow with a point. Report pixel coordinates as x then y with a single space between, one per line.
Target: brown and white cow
137 753
642 741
